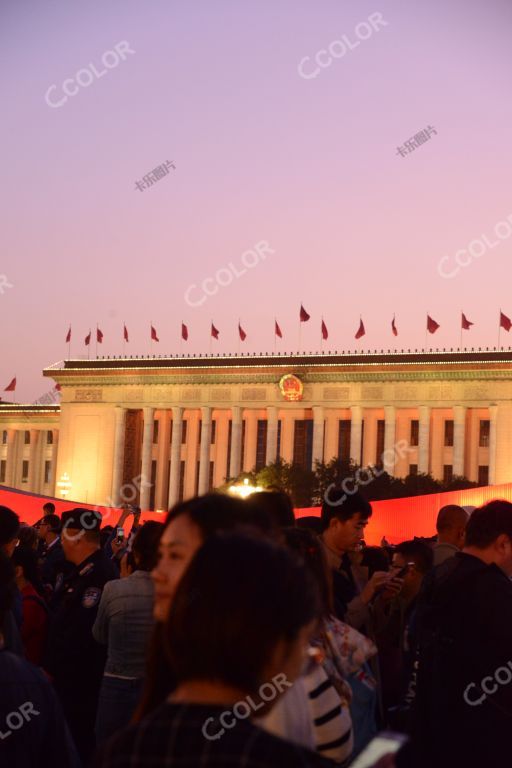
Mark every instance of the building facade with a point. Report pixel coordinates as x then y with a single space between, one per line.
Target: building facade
159 429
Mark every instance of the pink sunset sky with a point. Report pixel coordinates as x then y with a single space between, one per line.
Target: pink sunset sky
310 166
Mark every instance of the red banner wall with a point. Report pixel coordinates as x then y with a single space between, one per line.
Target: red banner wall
396 519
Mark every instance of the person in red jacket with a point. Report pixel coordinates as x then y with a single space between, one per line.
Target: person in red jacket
35 613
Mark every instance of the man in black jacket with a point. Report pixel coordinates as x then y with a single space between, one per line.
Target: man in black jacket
344 518
463 706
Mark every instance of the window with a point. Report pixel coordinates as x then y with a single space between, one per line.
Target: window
448 432
170 431
447 474
47 472
199 432
483 475
415 432
4 437
156 424
279 427
344 428
49 437
485 432
3 470
303 443
381 427
261 444
182 480
196 481
210 475
24 470
27 437
362 443
213 433
413 469
184 432
153 485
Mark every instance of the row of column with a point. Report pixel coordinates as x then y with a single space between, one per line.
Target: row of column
16 454
356 434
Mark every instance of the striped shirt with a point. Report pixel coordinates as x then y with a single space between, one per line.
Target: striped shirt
174 736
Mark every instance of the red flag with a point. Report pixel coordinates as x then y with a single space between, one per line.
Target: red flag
505 322
88 339
12 386
68 337
432 326
393 327
184 332
304 317
465 323
241 333
125 333
360 331
277 330
154 336
99 335
58 387
325 332
214 332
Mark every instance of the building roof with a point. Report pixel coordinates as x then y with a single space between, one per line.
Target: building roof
287 360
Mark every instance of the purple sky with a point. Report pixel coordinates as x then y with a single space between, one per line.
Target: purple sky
310 166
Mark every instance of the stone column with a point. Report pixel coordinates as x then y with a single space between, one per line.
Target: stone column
174 475
236 441
251 436
117 470
356 430
318 435
53 472
10 470
32 460
459 434
332 433
389 454
272 422
493 418
162 467
424 439
204 451
147 445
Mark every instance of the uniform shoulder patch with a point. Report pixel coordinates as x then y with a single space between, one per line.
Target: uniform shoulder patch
91 597
86 569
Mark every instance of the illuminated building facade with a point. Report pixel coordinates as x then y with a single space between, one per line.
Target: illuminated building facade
155 430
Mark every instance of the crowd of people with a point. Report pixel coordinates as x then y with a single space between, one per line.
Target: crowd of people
234 635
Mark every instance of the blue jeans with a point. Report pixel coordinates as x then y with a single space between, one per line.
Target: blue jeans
116 705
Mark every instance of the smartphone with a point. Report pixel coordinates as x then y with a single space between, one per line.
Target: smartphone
385 743
401 573
120 535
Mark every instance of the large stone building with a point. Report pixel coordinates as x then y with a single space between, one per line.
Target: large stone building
159 429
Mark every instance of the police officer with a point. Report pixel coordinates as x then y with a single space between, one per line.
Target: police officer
73 659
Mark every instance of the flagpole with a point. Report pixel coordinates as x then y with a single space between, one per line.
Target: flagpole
275 336
426 332
96 348
181 340
124 339
461 313
238 353
211 336
150 337
499 331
